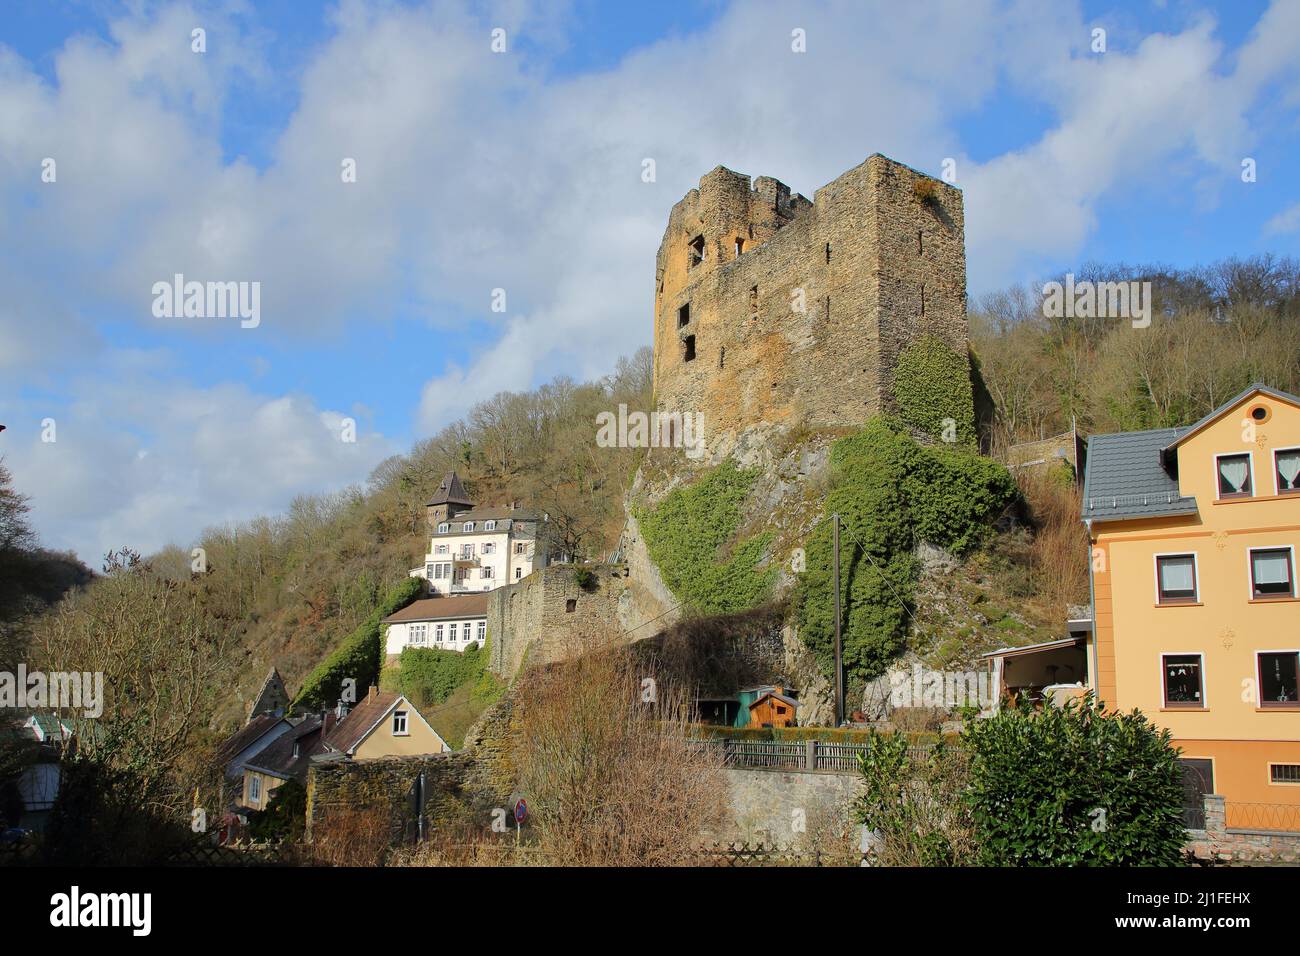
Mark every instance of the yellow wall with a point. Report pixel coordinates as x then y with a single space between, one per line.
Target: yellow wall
269 783
1225 626
382 742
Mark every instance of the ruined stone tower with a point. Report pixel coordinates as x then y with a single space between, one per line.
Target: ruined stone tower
773 309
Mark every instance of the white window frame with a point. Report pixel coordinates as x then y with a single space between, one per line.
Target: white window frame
451 632
1250 475
489 525
1205 684
482 631
519 547
401 724
489 547
440 549
1259 683
1196 577
519 574
467 527
443 528
485 572
1277 484
437 633
1250 572
467 550
254 787
419 633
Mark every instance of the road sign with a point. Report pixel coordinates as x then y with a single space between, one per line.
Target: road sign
521 810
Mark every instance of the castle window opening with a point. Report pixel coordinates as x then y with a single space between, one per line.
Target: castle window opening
920 247
740 246
828 252
689 342
753 298
570 605
722 356
684 316
696 251
923 298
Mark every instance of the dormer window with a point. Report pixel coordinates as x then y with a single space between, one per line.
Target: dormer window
695 252
443 528
469 526
1234 476
489 525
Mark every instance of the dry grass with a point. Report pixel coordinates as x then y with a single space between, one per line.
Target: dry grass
1059 553
605 760
350 838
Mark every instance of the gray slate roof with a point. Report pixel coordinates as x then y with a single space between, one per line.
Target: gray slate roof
1126 477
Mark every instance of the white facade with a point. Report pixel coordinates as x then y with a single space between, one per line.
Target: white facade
470 554
454 634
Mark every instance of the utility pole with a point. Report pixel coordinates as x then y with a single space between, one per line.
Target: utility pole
839 663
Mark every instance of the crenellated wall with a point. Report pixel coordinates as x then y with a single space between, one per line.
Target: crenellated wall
804 320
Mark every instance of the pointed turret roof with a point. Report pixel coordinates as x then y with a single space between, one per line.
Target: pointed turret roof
272 698
450 491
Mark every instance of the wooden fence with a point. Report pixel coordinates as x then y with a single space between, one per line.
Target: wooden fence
802 755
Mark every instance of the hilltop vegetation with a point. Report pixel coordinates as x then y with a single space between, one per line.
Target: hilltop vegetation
1214 330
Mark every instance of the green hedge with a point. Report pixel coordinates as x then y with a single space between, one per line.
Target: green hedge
360 656
686 534
429 675
830 735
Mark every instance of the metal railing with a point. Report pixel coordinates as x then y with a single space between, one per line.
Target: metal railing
1277 817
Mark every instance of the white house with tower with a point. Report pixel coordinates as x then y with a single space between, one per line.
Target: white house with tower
475 549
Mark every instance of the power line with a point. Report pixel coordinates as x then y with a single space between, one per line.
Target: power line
902 603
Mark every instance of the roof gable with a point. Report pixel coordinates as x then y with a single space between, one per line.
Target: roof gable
354 729
450 491
1247 393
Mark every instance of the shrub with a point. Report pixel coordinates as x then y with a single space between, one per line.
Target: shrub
687 532
584 578
915 805
359 656
429 675
1074 785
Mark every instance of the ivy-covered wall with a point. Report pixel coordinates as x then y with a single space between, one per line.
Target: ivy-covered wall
932 390
688 536
890 492
359 656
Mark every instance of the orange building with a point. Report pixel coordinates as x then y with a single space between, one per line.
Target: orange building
773 708
1196 611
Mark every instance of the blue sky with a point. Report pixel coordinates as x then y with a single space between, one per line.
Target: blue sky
521 171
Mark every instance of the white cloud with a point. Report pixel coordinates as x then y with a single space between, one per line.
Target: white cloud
478 171
1286 221
142 461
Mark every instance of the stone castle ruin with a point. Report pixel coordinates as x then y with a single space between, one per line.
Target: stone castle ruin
771 309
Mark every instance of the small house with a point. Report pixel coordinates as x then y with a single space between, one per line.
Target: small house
385 724
773 707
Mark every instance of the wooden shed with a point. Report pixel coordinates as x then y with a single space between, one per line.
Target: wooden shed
773 708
